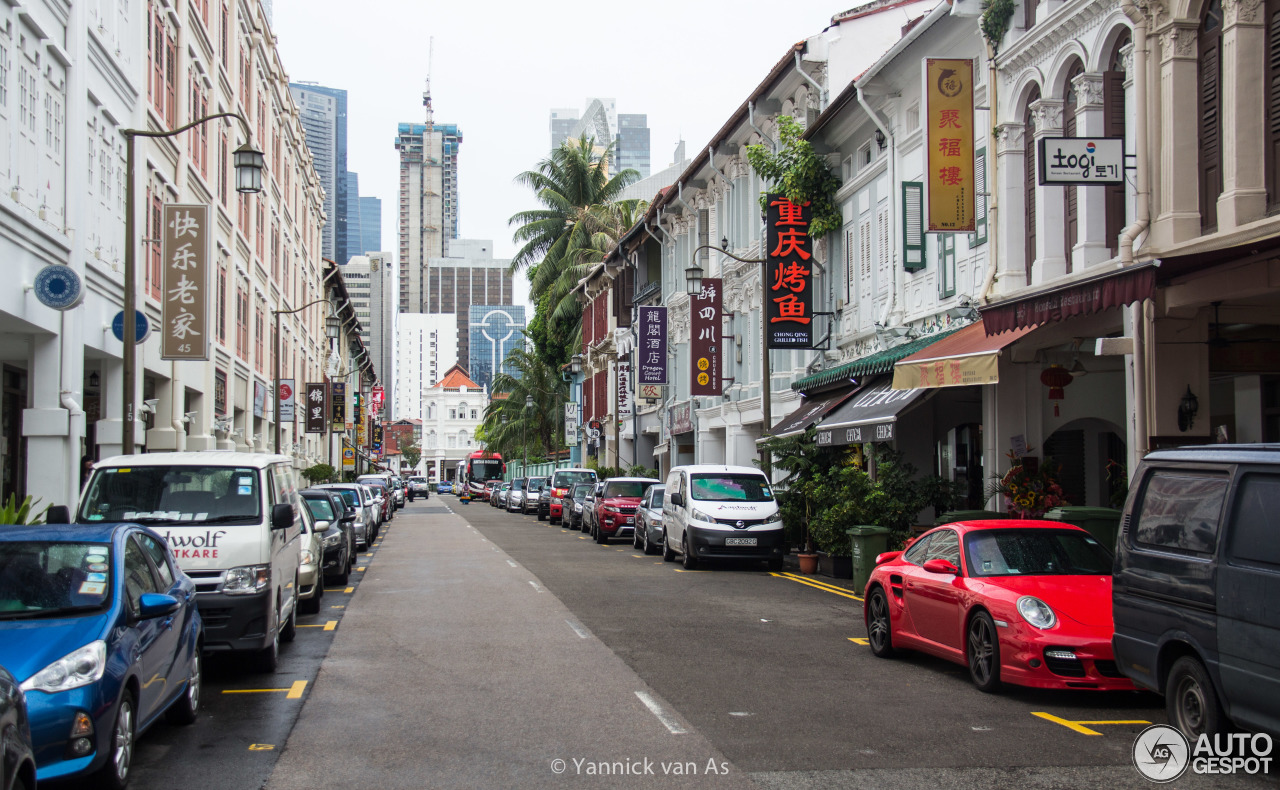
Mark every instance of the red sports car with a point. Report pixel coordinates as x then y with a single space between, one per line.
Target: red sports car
1023 602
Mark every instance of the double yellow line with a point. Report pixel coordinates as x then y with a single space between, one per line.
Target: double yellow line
817 585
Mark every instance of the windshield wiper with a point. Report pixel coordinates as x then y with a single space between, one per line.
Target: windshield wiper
49 612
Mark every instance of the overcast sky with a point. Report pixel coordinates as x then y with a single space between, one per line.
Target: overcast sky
499 68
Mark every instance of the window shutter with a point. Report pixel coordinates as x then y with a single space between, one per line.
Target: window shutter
849 269
1210 117
1113 120
912 226
947 264
980 203
1272 152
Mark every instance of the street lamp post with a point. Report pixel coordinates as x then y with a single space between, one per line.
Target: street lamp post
248 164
528 407
276 367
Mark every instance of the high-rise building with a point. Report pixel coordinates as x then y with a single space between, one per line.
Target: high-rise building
562 122
428 203
371 284
469 275
633 144
602 123
370 223
495 331
354 247
323 114
427 346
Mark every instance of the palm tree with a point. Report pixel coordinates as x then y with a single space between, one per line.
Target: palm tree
508 425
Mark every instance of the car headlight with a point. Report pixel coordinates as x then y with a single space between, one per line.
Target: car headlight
75 669
332 540
698 515
1036 612
307 557
611 509
773 518
247 579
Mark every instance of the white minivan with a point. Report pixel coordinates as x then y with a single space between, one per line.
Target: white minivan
234 523
712 511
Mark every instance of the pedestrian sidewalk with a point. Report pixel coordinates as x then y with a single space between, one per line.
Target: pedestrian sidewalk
453 667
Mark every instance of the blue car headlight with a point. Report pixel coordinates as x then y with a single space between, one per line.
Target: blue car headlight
78 668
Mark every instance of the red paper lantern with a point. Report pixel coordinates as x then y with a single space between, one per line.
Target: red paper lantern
1056 378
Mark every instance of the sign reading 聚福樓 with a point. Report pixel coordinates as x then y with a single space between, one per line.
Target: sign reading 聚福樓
1081 161
184 293
949 132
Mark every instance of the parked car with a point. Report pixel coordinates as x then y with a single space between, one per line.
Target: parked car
615 507
515 497
490 488
587 522
17 756
499 498
712 511
648 531
360 498
571 504
234 523
310 576
1021 602
561 484
338 541
386 500
391 489
419 487
444 487
533 491
100 627
1197 569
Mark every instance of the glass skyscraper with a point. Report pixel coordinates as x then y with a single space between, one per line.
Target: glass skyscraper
495 331
633 143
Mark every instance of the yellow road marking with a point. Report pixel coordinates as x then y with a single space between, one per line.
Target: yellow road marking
261 747
295 691
340 589
682 570
817 585
339 606
859 640
582 537
332 624
638 556
329 626
361 569
1078 726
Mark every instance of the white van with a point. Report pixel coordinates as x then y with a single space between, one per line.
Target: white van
234 523
712 511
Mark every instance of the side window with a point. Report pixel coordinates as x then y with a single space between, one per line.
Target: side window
945 546
137 575
1180 512
158 557
1253 535
916 554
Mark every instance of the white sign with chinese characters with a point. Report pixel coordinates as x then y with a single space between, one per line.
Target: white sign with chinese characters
1081 161
184 292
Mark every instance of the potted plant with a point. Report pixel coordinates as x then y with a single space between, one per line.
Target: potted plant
1030 489
801 458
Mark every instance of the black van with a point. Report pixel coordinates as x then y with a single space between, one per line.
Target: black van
1197 585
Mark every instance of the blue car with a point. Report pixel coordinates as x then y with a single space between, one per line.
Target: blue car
444 487
100 627
17 759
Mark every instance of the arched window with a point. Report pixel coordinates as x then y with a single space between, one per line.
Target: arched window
1070 203
1113 119
1029 177
1210 104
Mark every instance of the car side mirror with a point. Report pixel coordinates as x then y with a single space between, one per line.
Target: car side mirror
321 526
941 566
281 516
677 499
151 605
57 514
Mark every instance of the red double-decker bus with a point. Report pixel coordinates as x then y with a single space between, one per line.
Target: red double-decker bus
479 468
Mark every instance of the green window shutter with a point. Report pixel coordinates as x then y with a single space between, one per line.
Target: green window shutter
980 200
913 226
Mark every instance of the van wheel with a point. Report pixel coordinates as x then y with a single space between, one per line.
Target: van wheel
290 629
667 554
268 658
1191 700
689 561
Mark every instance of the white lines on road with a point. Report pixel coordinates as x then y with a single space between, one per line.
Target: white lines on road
512 564
577 629
667 719
536 586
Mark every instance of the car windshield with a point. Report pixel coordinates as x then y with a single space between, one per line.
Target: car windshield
655 496
580 492
537 484
350 495
517 484
53 579
322 509
731 488
635 488
173 495
1035 552
567 479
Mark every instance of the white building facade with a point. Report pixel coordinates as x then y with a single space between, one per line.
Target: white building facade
426 347
374 287
455 408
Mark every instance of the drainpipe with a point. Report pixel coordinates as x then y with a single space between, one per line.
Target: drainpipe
822 92
893 156
751 121
1141 316
658 219
993 182
680 198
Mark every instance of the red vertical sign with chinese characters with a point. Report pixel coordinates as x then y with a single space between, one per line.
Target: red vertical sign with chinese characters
788 275
704 342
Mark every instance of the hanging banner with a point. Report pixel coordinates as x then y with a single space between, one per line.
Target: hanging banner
788 295
571 424
652 353
348 458
338 398
361 432
377 395
259 399
184 278
315 407
948 90
624 387
286 401
705 338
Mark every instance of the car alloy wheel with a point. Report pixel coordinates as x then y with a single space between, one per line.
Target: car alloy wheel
186 709
1191 700
984 653
115 773
879 626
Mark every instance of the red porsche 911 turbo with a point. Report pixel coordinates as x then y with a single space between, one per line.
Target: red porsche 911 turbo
1022 602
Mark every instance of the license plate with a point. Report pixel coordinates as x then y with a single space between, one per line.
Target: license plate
631 519
739 541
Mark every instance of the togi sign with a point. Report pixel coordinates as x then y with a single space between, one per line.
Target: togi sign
315 407
184 302
705 330
1081 161
652 346
948 90
788 294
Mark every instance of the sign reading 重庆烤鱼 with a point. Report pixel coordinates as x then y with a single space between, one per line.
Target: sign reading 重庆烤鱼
788 275
184 292
704 342
949 177
315 407
651 352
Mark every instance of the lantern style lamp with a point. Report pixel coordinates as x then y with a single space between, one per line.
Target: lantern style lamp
1056 378
575 364
1187 409
693 279
248 163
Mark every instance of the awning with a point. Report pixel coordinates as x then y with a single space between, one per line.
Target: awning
968 357
809 413
871 365
869 416
1107 289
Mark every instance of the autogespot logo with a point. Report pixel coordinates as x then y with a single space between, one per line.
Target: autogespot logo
1161 753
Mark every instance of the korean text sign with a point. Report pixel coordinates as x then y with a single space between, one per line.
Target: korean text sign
704 344
315 407
948 89
788 275
184 302
652 352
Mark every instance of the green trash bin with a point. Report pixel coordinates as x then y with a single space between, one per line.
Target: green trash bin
868 541
1103 523
967 515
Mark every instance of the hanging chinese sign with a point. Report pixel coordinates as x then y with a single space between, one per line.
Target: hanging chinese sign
624 387
652 354
361 433
788 273
339 401
704 342
184 304
315 407
948 89
286 401
377 395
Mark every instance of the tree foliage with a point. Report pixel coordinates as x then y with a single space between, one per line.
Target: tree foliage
798 172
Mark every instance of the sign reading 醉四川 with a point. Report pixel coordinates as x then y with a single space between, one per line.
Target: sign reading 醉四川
184 298
949 178
789 275
705 328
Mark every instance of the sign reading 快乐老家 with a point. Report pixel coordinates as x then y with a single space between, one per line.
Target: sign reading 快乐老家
184 292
